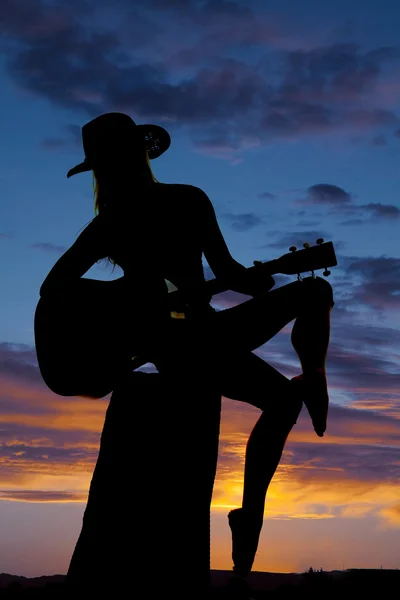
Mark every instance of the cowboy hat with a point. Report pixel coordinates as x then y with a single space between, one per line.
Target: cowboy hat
114 131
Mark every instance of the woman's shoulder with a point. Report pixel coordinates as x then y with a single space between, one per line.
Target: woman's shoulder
185 192
93 225
93 229
174 187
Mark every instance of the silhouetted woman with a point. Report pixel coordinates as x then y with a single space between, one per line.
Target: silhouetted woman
157 232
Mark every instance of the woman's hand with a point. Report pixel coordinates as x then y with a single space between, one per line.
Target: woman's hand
252 282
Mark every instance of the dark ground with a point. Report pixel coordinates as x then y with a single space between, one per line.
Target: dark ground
353 583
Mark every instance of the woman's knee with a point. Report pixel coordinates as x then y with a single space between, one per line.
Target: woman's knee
283 416
317 290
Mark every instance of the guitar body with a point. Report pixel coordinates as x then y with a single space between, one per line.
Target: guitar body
78 338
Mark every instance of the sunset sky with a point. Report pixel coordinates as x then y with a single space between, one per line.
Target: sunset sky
287 114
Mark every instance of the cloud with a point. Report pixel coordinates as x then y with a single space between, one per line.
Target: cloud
34 19
19 360
339 202
267 195
379 288
365 466
340 73
192 81
244 221
48 247
371 213
326 193
42 459
382 210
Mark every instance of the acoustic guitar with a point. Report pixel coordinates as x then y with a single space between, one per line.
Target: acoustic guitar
78 336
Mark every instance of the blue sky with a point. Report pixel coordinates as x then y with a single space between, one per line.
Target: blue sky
287 115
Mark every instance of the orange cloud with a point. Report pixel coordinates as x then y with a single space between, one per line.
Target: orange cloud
38 496
391 515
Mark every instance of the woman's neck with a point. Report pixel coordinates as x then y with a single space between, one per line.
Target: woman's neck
142 180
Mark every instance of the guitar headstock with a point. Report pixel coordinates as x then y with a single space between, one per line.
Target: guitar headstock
311 258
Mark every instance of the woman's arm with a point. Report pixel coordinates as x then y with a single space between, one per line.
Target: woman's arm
221 262
76 261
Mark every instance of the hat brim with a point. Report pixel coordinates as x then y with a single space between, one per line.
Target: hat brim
157 141
81 168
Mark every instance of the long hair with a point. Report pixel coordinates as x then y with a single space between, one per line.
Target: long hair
100 200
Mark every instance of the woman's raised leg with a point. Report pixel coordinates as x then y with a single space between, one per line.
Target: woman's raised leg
251 324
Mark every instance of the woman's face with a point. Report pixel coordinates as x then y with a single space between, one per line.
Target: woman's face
118 179
128 160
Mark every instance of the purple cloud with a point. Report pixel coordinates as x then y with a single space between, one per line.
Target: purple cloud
11 454
380 285
339 201
370 464
192 84
20 361
326 193
382 210
34 19
49 437
340 72
371 213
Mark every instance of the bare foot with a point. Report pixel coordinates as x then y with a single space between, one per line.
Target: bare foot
313 391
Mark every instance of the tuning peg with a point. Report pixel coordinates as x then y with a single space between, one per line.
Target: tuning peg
319 242
306 245
293 249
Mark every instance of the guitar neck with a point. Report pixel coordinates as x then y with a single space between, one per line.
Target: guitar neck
218 285
213 287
